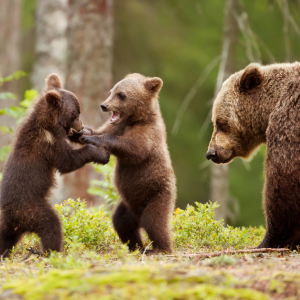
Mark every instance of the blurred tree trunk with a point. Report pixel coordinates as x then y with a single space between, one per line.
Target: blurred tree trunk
89 75
220 173
10 22
51 41
10 37
51 54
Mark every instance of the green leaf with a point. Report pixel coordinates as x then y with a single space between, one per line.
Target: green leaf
4 96
6 129
13 111
4 151
15 75
30 94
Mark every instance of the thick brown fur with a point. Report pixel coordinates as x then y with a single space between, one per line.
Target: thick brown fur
261 104
40 149
143 175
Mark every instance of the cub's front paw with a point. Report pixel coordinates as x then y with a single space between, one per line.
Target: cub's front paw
87 130
75 136
92 140
99 156
104 157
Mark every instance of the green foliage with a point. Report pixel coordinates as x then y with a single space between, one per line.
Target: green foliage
92 227
15 75
4 96
197 228
105 188
17 112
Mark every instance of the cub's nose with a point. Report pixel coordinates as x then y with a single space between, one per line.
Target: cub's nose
211 154
103 107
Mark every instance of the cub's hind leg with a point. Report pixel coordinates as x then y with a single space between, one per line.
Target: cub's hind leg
9 237
156 219
127 226
48 227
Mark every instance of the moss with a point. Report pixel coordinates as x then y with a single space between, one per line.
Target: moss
131 282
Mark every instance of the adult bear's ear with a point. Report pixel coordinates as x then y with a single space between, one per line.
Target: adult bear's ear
251 78
53 98
153 84
53 81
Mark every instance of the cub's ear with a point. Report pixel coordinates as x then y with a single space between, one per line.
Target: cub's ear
53 98
53 81
251 78
153 84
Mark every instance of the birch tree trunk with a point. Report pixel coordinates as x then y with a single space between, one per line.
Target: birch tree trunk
89 75
51 54
10 19
51 41
10 38
219 187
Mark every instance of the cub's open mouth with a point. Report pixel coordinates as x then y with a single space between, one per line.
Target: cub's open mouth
114 117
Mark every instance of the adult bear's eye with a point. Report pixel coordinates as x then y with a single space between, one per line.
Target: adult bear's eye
222 127
121 96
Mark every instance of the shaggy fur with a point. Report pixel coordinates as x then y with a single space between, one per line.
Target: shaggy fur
39 150
261 104
144 177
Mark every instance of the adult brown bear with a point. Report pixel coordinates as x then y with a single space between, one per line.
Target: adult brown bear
41 149
261 104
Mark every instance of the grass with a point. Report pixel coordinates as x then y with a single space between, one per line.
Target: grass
95 265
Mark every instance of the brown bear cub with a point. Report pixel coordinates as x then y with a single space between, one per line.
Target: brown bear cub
261 104
136 135
40 149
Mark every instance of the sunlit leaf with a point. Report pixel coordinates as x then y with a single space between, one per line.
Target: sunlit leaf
4 96
4 151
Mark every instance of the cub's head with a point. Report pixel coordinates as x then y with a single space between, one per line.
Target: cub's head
63 104
133 98
236 116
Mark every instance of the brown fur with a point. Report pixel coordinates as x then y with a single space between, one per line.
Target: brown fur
261 104
41 148
143 175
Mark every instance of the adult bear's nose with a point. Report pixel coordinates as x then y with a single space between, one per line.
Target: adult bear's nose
103 107
211 154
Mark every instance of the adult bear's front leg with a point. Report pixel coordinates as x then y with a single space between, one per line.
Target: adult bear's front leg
275 237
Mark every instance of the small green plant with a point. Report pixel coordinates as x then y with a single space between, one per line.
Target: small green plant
17 111
196 228
92 227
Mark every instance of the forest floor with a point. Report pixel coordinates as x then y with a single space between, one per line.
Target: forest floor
94 263
135 276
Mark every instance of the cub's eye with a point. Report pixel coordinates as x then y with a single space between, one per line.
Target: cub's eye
74 116
121 96
222 127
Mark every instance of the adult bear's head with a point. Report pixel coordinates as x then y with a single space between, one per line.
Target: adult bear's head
238 116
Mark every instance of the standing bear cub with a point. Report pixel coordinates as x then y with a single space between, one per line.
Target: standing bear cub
144 177
261 104
39 150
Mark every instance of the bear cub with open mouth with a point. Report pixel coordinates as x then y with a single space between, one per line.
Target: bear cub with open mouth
40 149
144 176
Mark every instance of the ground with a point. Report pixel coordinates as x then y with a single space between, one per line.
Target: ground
95 265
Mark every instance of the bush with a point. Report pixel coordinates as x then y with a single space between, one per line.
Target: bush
196 228
92 227
193 228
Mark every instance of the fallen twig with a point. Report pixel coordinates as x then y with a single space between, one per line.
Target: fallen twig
262 250
146 250
32 251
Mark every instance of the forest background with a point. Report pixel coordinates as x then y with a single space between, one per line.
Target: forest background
94 44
